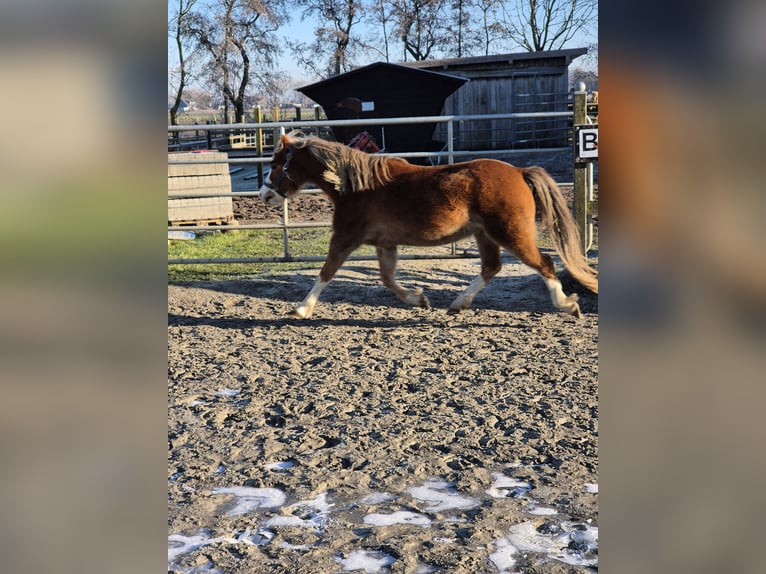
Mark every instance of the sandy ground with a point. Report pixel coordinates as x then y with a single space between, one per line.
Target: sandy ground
375 437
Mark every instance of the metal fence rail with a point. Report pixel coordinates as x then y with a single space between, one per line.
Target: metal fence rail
281 127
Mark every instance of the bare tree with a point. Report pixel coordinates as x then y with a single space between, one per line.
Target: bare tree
464 33
433 28
178 28
236 34
590 60
587 69
420 26
491 30
588 77
438 28
547 24
381 14
277 90
202 96
332 49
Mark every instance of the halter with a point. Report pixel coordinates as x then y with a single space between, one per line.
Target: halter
284 175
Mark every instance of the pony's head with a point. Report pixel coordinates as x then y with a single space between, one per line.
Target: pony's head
282 181
336 168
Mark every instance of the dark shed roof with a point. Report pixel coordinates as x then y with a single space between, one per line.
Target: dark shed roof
394 91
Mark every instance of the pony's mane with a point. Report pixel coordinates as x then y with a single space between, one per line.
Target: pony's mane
347 169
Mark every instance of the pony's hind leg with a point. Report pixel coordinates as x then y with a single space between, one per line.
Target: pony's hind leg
524 246
543 264
489 251
561 301
387 257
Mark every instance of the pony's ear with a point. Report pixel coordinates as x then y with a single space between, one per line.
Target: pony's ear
284 141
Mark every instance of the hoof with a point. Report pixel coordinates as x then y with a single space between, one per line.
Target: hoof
299 313
575 311
453 311
416 299
572 307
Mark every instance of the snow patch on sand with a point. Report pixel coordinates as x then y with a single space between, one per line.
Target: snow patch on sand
370 562
276 466
313 513
505 486
228 392
401 517
248 499
378 498
440 496
574 544
566 541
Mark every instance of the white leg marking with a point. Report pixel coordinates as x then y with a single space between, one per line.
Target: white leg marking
465 299
557 292
413 297
560 300
306 308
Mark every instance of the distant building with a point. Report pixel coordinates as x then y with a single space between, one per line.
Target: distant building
184 106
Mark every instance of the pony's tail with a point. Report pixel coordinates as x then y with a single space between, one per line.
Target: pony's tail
557 218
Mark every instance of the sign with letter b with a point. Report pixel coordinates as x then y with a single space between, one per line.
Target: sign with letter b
586 143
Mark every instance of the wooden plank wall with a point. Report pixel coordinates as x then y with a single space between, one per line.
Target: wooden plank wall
488 92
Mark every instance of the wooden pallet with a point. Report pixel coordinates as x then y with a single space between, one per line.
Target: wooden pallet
210 222
199 179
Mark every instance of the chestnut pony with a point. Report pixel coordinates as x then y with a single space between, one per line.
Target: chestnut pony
386 202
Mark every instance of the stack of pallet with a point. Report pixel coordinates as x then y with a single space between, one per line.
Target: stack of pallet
191 184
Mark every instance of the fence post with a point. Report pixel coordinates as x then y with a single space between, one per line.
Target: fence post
581 192
258 115
450 160
243 132
277 132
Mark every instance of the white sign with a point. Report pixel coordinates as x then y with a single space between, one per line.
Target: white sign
368 106
587 143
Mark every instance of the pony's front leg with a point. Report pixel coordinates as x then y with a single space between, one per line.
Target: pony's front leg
340 249
306 308
387 257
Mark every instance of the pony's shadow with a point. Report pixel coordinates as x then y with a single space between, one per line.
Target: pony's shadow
315 322
361 285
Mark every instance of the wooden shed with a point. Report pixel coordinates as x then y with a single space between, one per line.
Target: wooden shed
508 83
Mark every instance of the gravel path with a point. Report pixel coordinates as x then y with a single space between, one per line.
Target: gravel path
375 437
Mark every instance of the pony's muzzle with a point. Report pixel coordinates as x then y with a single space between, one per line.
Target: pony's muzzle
270 196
